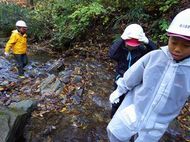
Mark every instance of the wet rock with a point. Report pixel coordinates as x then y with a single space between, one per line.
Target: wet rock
79 92
4 63
47 81
56 85
4 119
57 66
51 85
59 90
76 99
13 120
65 75
26 105
8 75
101 102
77 79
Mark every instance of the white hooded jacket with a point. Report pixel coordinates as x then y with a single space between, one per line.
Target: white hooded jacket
158 88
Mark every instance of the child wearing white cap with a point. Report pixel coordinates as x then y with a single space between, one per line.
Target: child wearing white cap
132 45
157 87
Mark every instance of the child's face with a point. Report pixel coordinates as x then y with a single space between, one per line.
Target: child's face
179 48
23 30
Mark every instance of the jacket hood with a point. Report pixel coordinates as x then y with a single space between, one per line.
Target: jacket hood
15 31
185 62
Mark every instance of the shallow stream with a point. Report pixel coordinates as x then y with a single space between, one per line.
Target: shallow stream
86 114
87 119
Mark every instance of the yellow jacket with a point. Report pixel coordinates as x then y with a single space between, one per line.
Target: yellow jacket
17 42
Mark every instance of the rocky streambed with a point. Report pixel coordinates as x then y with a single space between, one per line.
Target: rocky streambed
71 92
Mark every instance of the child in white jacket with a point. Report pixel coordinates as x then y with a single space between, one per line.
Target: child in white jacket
157 87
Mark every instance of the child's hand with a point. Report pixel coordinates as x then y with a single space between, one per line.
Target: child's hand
6 54
143 39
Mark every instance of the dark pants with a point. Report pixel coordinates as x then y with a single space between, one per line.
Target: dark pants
22 61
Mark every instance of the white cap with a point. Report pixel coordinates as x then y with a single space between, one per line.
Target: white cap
21 23
181 24
133 31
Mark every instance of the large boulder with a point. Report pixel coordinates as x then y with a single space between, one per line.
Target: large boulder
13 120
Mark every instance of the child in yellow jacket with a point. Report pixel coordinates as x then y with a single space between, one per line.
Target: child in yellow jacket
18 44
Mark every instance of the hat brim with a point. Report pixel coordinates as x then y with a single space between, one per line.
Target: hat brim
178 35
132 42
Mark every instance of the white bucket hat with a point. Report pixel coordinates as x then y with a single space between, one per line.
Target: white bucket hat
133 31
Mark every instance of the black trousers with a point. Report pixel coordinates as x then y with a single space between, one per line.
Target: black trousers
22 61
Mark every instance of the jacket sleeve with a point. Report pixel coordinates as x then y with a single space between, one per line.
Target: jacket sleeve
11 42
150 46
115 49
133 76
